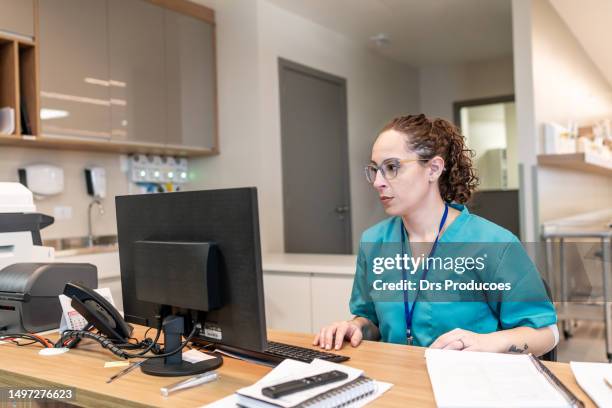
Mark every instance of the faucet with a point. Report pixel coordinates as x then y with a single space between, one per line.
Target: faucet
89 229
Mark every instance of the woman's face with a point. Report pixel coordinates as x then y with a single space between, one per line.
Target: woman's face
403 192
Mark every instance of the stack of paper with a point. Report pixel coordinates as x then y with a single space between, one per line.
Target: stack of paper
291 370
474 379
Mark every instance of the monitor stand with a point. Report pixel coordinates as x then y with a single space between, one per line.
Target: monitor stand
174 366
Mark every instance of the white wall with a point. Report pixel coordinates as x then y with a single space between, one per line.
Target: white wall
251 36
522 33
487 128
487 131
512 144
75 192
442 85
567 86
377 90
239 163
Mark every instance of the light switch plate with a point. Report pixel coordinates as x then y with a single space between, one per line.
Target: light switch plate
124 163
62 212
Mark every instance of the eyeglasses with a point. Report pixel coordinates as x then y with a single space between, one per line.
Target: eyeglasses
388 168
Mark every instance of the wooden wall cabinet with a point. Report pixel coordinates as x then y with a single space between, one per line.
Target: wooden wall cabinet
138 96
130 76
75 96
18 87
190 81
17 17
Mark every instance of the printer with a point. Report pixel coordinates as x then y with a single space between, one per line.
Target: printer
30 279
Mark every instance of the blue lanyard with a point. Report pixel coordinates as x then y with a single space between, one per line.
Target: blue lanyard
409 308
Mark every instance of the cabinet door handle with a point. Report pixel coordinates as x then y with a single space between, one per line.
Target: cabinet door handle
341 209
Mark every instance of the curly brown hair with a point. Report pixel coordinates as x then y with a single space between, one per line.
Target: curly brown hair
429 138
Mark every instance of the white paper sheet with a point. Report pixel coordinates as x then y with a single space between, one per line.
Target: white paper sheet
290 370
473 379
590 377
232 400
195 356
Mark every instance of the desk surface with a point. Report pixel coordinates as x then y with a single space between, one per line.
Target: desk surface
82 368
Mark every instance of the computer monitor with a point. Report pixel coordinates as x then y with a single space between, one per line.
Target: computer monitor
227 219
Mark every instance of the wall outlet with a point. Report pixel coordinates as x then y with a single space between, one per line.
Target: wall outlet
124 163
63 212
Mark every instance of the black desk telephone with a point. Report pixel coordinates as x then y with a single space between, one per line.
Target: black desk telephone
98 312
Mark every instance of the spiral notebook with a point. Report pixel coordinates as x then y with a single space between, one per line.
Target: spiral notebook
355 391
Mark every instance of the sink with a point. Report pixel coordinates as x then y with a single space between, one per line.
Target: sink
62 244
105 240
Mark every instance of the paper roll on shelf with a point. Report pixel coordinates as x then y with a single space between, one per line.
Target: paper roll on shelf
7 121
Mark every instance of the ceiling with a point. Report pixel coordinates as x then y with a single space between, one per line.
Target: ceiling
590 24
422 32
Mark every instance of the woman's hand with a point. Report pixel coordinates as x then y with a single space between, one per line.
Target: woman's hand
334 335
459 339
516 340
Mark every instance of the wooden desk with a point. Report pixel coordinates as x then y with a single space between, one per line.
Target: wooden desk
82 368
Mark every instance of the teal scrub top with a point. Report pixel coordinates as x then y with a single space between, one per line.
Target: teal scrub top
434 318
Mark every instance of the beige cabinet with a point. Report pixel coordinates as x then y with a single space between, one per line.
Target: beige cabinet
287 301
128 71
74 86
137 71
330 299
190 81
305 302
17 17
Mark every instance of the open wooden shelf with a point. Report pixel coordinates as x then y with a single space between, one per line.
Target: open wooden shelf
20 90
18 82
28 91
8 74
102 146
578 161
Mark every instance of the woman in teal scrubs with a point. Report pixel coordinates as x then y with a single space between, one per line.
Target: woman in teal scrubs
423 175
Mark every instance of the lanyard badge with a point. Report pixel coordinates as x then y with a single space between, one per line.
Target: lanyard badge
409 308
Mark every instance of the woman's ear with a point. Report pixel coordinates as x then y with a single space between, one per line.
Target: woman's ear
436 167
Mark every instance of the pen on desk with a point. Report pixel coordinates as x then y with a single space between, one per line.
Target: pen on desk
125 371
190 382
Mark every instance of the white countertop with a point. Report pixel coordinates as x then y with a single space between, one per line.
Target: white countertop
86 251
309 263
108 262
592 224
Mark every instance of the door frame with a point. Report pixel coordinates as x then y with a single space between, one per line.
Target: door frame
490 101
285 64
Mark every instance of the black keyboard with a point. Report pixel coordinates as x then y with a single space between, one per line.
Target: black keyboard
275 353
301 353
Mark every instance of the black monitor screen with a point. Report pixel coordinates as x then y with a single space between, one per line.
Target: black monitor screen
228 218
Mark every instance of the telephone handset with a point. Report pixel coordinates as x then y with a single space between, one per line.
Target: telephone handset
98 312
